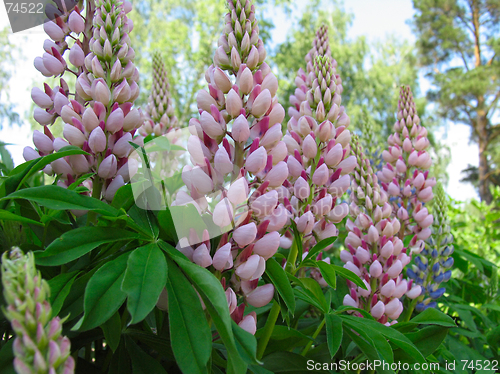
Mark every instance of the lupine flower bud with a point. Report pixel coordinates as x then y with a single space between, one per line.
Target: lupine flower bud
433 263
38 345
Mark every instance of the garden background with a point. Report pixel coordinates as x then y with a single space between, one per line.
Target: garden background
379 45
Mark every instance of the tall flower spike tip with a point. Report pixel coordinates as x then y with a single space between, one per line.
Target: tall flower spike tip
433 265
374 251
39 346
405 176
236 148
317 142
101 120
160 117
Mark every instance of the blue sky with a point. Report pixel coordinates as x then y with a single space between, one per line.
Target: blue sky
372 18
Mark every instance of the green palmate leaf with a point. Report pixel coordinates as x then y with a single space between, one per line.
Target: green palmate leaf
333 332
75 243
142 363
144 280
394 336
146 220
432 316
246 344
58 198
315 293
347 274
124 198
167 226
320 246
328 273
375 339
428 339
112 330
59 290
103 294
22 172
278 277
368 349
189 331
212 293
5 215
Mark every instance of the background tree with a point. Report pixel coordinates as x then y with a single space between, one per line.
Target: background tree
371 72
459 45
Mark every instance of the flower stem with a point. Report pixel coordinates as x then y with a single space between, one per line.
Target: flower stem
315 335
96 193
292 257
409 312
268 329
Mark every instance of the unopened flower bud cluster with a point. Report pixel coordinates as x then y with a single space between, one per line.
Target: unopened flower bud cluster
405 177
100 119
432 265
317 144
237 153
160 117
38 346
374 251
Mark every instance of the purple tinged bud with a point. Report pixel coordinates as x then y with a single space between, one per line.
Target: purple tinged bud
245 82
73 135
133 120
305 223
348 165
108 167
375 269
41 98
349 301
249 323
256 161
59 102
30 154
211 127
253 58
309 147
334 155
350 266
102 93
235 59
52 64
53 31
388 289
76 22
201 256
60 166
223 213
261 296
301 189
245 234
122 147
222 80
240 130
414 292
378 310
115 121
113 187
222 162
223 259
262 103
238 191
233 103
41 67
205 100
54 353
42 142
76 55
79 164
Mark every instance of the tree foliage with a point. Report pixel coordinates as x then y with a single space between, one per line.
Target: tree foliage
458 43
